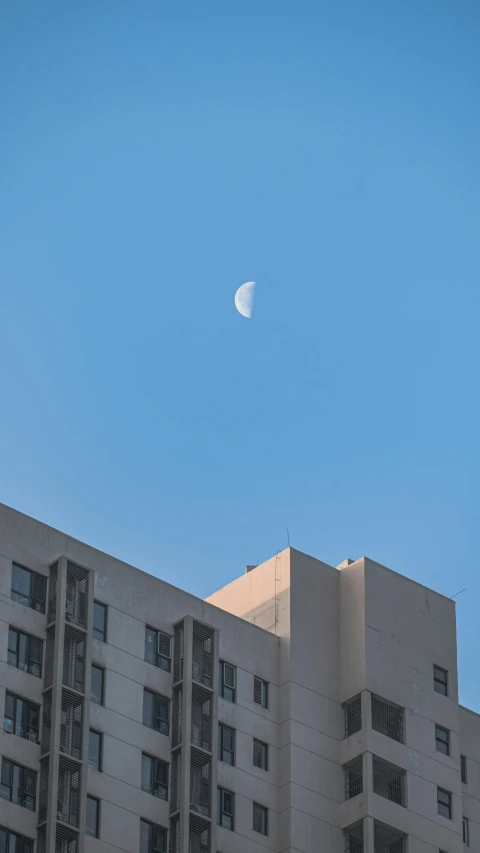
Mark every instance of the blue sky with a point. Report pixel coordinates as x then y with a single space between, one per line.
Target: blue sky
157 155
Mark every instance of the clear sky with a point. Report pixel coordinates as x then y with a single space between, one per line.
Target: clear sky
156 155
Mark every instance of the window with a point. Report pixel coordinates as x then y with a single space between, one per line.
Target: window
260 819
463 768
260 692
387 718
226 744
29 588
21 717
156 712
353 778
25 652
16 843
354 838
100 621
97 684
227 681
442 740
158 648
353 715
389 781
440 680
444 803
225 808
93 815
153 838
388 840
18 784
155 777
466 831
95 750
260 754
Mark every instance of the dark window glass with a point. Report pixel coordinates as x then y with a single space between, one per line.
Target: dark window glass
463 766
260 692
225 808
466 832
260 819
153 838
18 784
94 750
156 712
100 621
155 777
444 803
158 649
29 588
228 677
25 652
442 740
440 680
97 685
93 815
10 842
260 754
226 744
21 717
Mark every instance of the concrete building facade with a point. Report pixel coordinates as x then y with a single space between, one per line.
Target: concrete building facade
304 708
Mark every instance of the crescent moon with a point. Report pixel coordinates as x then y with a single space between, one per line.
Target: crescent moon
244 299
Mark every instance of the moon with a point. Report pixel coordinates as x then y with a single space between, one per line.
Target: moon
244 299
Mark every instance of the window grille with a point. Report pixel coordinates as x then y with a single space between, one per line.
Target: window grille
49 656
25 652
175 782
71 724
177 705
201 717
155 777
260 692
352 715
43 793
46 721
354 778
18 784
68 802
74 659
28 588
387 718
354 838
174 846
389 781
178 652
66 840
388 840
52 593
226 744
200 783
228 678
76 599
198 835
202 654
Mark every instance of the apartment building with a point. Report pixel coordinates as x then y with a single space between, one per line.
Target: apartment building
304 708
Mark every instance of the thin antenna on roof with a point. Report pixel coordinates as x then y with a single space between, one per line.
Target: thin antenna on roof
458 593
288 538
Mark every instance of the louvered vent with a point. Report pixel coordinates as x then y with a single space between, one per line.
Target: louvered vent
74 659
201 718
66 841
200 783
198 835
175 783
43 791
49 656
178 652
177 710
354 838
71 724
42 840
52 593
202 652
68 803
76 600
46 721
174 846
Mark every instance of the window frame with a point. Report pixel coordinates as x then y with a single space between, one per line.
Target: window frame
466 831
221 792
159 700
262 685
102 670
155 763
438 740
27 706
162 661
448 805
263 751
103 638
463 769
438 681
151 841
99 767
30 662
88 831
25 794
224 687
17 595
222 727
263 812
25 844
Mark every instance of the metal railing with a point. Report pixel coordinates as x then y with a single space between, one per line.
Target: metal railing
354 778
353 715
389 781
388 840
354 838
387 718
